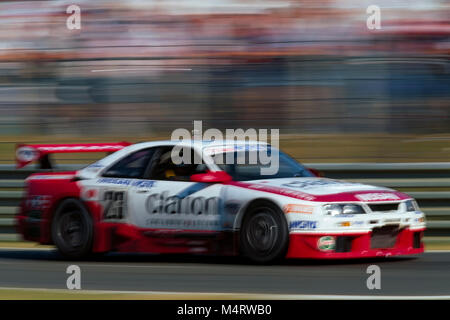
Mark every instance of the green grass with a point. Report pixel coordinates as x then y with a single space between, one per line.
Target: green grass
60 294
22 294
306 148
22 245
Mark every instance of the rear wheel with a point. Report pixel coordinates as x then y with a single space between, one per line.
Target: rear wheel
264 235
72 229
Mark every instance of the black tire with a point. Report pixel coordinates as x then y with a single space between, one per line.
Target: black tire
72 229
264 234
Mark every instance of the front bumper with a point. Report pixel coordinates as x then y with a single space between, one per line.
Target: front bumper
351 245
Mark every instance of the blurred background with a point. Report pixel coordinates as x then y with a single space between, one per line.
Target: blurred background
370 106
137 70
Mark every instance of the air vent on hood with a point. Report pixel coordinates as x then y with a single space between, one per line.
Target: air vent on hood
384 207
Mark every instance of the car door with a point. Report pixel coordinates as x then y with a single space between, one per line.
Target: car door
111 187
174 202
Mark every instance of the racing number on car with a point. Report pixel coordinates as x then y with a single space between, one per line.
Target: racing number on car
114 205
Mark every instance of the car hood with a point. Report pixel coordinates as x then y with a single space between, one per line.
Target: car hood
318 186
324 189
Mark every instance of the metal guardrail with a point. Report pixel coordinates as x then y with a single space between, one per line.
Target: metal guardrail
428 183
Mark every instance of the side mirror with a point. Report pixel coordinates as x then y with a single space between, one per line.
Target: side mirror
211 177
316 172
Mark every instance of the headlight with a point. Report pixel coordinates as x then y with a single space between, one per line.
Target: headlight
411 206
343 209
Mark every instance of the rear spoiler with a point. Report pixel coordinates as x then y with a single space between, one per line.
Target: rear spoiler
28 153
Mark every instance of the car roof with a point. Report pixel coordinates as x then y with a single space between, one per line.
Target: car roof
197 143
91 171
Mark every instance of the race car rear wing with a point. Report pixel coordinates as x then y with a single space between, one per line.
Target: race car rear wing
28 153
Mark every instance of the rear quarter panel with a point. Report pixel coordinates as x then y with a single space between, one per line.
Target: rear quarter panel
43 193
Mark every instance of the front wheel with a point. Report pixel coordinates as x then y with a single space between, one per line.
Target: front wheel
264 235
72 229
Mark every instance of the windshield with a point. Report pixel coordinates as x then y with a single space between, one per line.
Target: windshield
242 169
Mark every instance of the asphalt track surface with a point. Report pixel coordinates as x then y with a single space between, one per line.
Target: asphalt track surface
425 275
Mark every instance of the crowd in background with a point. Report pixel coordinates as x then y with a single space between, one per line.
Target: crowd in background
152 66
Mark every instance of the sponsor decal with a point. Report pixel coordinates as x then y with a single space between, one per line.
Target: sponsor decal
326 243
163 204
317 183
303 224
281 191
350 223
39 202
183 223
343 216
89 194
143 184
377 196
128 182
216 150
118 181
298 208
27 154
235 148
183 210
96 165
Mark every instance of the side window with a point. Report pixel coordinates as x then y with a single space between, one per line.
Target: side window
132 166
165 169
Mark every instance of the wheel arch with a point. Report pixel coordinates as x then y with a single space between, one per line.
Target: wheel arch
281 243
53 209
68 207
244 210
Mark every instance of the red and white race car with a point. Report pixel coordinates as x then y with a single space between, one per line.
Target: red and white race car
138 199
